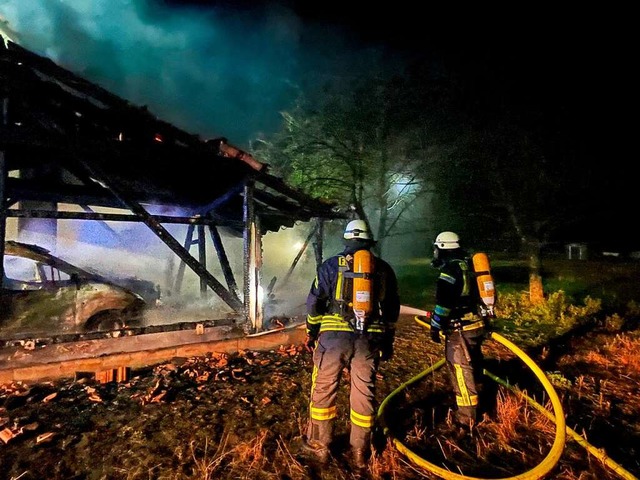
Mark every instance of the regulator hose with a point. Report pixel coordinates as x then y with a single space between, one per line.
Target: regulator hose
539 471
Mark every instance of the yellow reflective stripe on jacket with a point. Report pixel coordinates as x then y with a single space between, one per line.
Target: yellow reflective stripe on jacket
338 292
323 414
343 265
465 277
314 320
447 278
335 323
364 421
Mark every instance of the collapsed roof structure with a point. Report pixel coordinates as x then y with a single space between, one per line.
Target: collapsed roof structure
65 140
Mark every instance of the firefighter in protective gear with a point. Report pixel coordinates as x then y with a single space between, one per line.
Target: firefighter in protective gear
455 319
344 338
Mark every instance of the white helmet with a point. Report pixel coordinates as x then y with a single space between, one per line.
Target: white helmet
447 241
357 229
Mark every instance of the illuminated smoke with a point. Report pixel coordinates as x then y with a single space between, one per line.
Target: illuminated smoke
211 71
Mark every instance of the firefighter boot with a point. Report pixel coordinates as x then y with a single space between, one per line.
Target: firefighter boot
359 457
316 444
466 417
316 450
360 441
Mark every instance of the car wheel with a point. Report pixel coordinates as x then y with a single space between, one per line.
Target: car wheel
104 321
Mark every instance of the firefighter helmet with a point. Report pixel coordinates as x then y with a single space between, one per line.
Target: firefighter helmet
357 229
447 241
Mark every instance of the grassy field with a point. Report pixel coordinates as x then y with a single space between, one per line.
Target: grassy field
614 282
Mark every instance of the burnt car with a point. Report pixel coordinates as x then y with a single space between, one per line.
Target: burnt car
43 294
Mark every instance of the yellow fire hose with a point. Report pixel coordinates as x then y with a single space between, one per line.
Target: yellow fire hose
552 458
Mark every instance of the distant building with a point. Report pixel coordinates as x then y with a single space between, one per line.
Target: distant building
576 251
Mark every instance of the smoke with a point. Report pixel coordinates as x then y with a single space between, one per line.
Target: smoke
213 71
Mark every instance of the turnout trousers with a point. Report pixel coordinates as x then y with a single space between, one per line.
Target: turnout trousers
334 352
463 355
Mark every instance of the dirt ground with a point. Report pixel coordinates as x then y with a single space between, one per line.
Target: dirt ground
240 417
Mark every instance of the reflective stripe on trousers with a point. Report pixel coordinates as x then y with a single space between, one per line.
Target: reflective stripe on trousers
334 352
464 360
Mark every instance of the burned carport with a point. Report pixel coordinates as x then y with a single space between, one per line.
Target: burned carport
67 141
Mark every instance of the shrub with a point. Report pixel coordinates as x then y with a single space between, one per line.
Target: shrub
535 324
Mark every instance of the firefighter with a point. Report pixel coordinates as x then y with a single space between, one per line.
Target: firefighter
352 309
456 319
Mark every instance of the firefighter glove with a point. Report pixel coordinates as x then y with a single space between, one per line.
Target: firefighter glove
310 342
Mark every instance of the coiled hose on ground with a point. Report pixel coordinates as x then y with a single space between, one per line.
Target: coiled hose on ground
552 458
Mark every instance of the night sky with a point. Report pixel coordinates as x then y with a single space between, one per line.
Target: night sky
220 69
227 68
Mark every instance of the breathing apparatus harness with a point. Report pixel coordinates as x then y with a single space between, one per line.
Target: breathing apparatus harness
354 291
478 295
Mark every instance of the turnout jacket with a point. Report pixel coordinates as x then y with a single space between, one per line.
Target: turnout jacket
456 293
328 300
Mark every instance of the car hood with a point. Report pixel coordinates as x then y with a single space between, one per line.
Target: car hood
41 254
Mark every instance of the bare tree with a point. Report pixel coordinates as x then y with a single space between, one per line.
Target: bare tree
350 150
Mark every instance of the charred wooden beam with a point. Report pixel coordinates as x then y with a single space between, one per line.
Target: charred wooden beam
318 207
188 241
166 237
278 202
108 109
118 217
210 208
202 258
3 216
299 255
41 341
252 259
230 151
224 260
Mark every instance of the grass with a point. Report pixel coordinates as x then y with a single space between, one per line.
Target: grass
416 279
615 282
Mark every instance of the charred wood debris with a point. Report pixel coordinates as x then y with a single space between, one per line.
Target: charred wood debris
157 384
